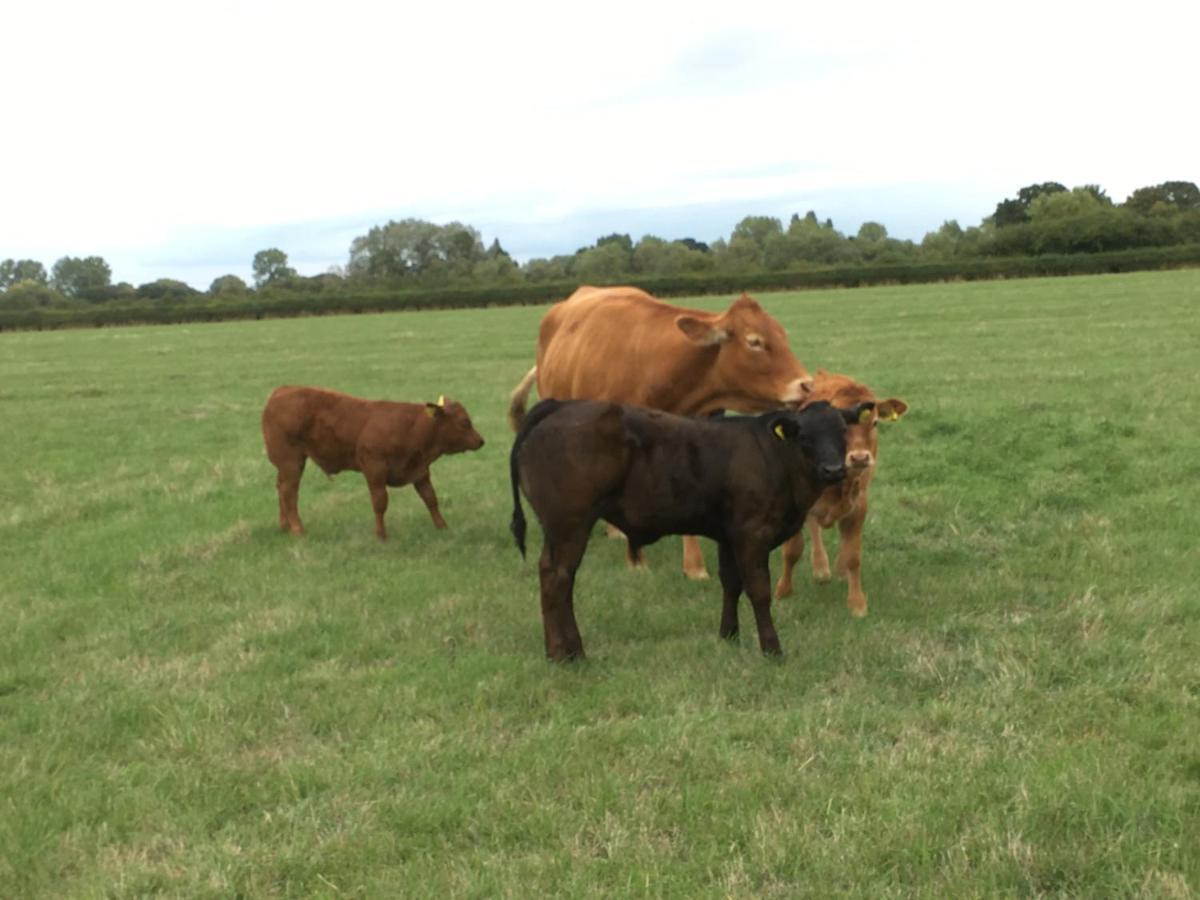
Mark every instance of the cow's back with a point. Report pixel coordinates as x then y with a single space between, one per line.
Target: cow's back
618 345
325 425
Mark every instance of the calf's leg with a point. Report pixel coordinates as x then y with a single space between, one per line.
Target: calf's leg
424 488
793 550
820 559
731 590
377 484
756 578
849 560
693 559
287 485
556 572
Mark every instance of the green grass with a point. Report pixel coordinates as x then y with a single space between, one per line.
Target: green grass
194 704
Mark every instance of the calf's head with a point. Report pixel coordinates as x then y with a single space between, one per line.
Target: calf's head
862 436
754 367
452 426
819 430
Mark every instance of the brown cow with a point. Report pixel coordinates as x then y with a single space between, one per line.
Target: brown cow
619 344
392 444
846 503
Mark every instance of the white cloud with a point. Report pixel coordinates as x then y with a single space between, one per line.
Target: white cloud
142 130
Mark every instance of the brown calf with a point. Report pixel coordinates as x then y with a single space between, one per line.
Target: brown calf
392 444
843 504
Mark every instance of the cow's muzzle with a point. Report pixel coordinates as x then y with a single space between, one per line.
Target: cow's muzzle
797 392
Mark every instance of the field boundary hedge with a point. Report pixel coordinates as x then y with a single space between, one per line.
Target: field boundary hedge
266 304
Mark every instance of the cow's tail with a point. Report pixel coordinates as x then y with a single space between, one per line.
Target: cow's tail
517 526
518 398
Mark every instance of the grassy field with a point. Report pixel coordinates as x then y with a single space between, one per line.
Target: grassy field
195 704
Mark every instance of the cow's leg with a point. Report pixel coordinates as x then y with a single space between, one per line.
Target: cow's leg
820 559
287 485
424 487
556 571
756 579
849 559
693 558
731 590
793 550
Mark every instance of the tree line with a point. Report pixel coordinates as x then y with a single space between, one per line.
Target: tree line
1042 219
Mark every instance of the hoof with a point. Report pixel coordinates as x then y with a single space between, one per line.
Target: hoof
696 574
782 590
823 577
859 612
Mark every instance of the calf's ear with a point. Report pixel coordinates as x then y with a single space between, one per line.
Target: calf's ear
892 408
785 428
433 410
700 332
858 414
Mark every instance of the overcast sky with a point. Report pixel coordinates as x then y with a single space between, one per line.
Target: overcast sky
175 139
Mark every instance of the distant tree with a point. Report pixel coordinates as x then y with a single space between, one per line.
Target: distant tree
740 253
758 229
14 270
227 284
693 244
495 251
1170 196
166 289
85 278
414 248
1014 212
1098 192
605 263
31 294
1067 204
872 232
270 265
624 241
557 268
654 256
943 243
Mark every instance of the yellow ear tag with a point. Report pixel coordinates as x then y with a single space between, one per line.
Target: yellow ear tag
441 400
894 416
865 416
779 432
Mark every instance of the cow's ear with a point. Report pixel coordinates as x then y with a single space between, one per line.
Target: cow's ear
857 415
785 428
434 410
892 408
706 334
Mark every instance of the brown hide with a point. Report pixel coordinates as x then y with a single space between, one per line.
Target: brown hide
621 345
391 444
844 504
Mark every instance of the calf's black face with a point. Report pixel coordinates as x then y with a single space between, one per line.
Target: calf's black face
820 433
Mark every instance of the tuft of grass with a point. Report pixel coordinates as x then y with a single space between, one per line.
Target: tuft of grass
195 704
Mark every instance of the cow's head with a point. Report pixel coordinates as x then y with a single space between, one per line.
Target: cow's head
862 437
819 430
455 432
754 369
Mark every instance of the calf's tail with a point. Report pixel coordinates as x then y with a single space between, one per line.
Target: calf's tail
518 398
517 525
539 412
